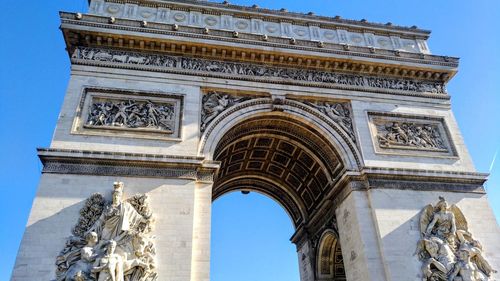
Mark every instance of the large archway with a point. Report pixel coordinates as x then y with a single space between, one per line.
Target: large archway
249 239
290 161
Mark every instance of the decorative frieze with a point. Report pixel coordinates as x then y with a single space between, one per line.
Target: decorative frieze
216 19
257 72
403 134
447 248
213 103
101 163
128 114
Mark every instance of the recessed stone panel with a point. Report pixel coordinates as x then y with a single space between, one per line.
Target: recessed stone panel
119 113
410 135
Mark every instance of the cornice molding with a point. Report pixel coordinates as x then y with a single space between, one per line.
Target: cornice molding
103 163
226 8
97 31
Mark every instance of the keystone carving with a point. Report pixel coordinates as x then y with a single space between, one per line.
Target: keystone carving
290 75
111 241
447 248
132 114
213 103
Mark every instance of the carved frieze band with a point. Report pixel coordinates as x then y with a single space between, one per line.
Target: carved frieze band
109 169
216 19
254 72
128 114
394 132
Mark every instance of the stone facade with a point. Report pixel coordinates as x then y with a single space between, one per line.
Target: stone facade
347 124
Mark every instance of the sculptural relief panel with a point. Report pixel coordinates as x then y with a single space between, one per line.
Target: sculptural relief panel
214 103
339 112
123 113
111 241
447 248
410 135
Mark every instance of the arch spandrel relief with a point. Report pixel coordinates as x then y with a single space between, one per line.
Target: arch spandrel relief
111 241
447 249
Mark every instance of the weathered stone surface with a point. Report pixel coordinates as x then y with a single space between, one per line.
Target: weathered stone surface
349 129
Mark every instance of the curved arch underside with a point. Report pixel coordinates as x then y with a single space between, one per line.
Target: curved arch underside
287 160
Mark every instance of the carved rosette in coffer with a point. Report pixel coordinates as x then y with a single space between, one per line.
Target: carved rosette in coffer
129 114
410 135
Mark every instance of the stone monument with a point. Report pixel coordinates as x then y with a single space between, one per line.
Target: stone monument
172 104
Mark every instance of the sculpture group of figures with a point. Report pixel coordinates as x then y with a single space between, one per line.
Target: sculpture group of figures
447 248
111 242
256 70
409 135
131 114
213 103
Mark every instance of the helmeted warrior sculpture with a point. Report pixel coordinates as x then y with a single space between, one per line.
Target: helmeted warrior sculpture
446 247
116 247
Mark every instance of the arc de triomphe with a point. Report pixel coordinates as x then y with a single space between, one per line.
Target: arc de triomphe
172 104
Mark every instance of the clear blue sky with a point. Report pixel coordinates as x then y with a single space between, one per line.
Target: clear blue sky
35 70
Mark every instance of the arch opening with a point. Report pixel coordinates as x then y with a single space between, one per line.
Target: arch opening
290 161
330 263
257 236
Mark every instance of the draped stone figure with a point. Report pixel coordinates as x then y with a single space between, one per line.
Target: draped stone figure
119 219
117 248
447 248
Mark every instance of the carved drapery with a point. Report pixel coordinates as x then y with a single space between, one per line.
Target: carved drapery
288 75
111 241
447 249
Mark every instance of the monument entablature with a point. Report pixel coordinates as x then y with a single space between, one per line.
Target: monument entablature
235 16
431 71
345 124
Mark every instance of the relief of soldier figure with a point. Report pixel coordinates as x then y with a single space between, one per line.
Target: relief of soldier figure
296 74
131 114
111 242
447 249
409 134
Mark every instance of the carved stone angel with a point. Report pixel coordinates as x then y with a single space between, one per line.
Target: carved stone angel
446 247
213 104
442 221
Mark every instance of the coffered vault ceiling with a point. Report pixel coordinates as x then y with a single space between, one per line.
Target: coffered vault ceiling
281 158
